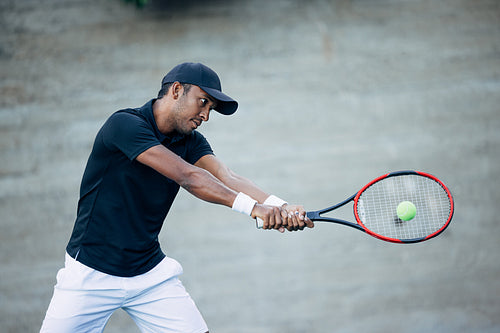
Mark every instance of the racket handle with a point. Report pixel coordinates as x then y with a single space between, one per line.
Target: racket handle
260 223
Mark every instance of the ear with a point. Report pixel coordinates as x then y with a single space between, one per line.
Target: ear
176 89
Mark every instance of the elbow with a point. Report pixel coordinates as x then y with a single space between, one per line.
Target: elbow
227 176
192 179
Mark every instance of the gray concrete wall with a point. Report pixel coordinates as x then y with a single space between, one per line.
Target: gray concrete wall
332 94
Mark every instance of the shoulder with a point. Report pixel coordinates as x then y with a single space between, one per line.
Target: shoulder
126 116
126 121
196 136
197 141
128 130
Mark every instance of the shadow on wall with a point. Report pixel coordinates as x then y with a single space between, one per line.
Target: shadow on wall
168 5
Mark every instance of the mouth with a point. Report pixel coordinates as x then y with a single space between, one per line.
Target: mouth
196 122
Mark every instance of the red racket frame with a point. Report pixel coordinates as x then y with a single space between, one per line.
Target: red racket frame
316 215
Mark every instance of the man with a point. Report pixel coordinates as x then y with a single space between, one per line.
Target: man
139 160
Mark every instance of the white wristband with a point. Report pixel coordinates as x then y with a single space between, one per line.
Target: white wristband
273 200
244 204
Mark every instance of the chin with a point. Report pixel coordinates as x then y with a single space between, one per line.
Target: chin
187 131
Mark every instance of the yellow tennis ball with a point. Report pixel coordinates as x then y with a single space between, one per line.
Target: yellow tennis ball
406 210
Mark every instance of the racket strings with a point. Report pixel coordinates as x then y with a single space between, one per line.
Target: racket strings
377 205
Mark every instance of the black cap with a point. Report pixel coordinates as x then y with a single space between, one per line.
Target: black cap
205 78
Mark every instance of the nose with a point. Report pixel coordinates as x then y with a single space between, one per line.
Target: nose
205 114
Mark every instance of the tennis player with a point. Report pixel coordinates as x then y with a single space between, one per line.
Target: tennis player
139 160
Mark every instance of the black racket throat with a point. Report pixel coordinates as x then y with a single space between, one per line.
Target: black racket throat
316 215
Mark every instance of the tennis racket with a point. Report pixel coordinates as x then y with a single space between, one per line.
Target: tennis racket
376 203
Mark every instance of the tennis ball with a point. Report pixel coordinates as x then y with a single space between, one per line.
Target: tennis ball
406 210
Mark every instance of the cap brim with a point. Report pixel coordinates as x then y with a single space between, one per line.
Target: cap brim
225 104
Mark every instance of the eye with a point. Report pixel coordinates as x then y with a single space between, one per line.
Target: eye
203 102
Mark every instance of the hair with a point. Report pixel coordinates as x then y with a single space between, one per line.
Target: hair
165 87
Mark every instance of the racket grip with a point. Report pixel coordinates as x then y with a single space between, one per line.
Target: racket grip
260 223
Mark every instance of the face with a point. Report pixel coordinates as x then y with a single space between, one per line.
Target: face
191 109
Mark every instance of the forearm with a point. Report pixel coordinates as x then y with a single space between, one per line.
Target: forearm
241 184
272 210
205 186
195 180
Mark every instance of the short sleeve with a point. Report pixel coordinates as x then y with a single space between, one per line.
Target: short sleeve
198 147
128 133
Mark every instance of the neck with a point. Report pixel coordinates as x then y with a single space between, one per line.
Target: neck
161 113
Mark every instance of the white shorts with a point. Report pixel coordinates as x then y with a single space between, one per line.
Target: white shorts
84 299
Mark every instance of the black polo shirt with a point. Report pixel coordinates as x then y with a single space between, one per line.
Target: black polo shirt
123 203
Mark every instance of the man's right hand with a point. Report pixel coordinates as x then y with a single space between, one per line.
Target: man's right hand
272 216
